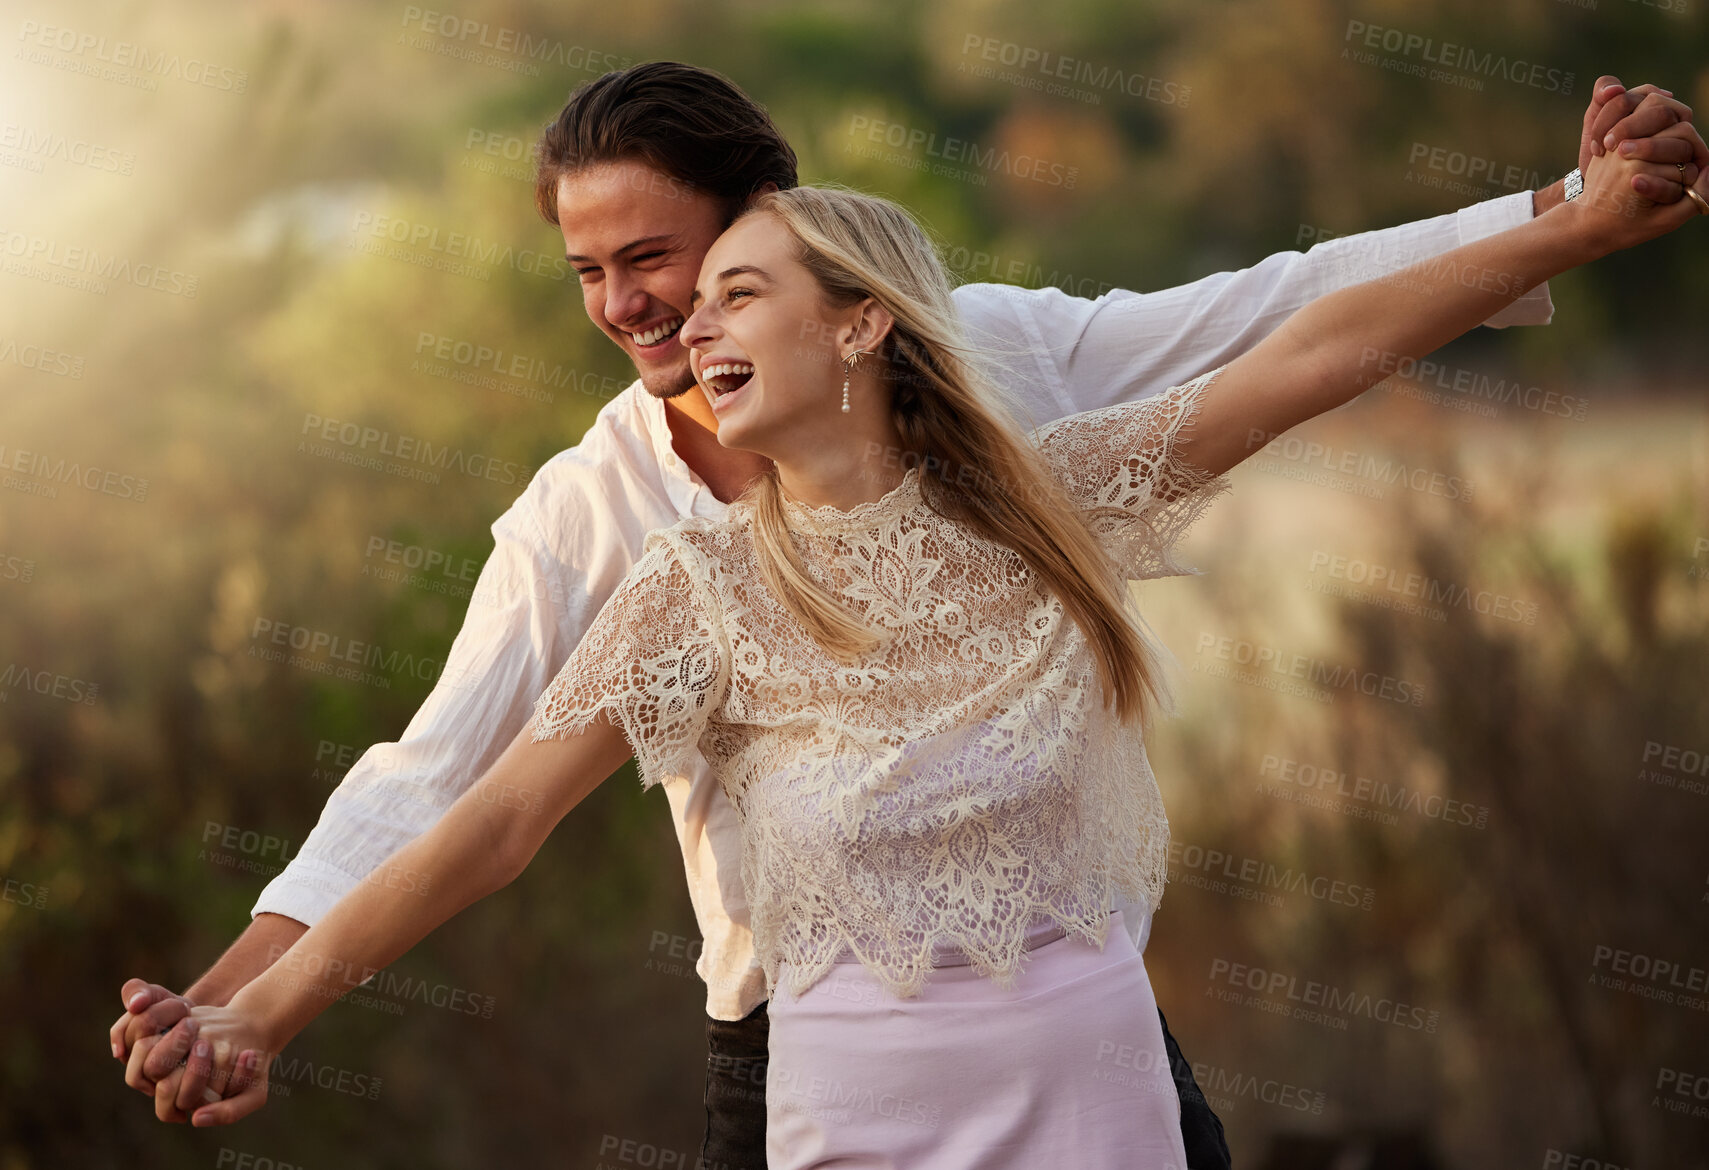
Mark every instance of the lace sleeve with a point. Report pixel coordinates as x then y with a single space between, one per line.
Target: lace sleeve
1119 463
655 658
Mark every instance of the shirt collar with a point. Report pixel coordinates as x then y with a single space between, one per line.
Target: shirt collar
688 493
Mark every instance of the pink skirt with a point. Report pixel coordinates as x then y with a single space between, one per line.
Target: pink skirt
1067 1069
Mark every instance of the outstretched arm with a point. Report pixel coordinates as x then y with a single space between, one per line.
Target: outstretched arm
1341 344
534 600
479 846
648 675
1074 346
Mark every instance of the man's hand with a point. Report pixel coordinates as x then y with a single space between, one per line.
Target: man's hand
1632 121
150 1010
1617 210
1639 123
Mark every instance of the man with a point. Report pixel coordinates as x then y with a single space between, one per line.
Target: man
641 171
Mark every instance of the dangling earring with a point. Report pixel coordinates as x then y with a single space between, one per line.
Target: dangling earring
848 364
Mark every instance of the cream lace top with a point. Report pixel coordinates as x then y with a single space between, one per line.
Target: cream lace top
956 785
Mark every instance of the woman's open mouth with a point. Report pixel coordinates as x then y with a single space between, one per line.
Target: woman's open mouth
725 379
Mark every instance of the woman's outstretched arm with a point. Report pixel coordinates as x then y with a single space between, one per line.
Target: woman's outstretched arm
1341 344
482 843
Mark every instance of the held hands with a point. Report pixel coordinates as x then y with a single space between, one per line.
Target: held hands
1627 199
1631 121
149 1037
207 1065
1638 153
225 1078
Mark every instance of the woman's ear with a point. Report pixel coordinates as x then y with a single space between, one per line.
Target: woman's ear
871 327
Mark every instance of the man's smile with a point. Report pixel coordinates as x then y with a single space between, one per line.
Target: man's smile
652 340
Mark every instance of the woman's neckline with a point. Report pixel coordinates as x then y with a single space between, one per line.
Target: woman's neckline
899 499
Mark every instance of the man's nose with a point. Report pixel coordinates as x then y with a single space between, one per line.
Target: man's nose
625 301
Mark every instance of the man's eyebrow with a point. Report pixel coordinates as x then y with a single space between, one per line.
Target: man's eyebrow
694 298
664 238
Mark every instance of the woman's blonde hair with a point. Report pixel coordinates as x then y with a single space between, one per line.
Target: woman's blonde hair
950 417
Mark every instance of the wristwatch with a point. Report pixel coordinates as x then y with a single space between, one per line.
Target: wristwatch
1574 183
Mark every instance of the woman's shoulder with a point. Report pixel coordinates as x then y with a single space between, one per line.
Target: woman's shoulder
702 544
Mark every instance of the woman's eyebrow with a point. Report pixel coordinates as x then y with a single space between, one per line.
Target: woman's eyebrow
695 298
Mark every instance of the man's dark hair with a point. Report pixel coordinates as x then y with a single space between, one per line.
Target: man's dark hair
689 123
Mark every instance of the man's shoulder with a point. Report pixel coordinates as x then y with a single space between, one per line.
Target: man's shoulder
614 459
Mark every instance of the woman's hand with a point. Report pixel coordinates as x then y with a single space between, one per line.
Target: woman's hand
1628 200
225 1076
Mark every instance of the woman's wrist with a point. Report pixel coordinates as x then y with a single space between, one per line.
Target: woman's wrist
1582 231
264 1005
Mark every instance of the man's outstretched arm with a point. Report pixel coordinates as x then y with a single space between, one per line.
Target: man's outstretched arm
1065 354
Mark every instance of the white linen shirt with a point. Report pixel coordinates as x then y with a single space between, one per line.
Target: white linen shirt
574 533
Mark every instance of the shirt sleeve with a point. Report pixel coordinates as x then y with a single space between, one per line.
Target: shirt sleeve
524 602
1121 467
1057 354
655 660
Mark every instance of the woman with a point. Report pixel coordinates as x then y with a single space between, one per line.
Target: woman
910 655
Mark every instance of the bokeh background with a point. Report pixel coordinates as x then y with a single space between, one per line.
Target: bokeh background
188 200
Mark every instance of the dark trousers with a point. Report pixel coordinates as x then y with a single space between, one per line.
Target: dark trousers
735 1099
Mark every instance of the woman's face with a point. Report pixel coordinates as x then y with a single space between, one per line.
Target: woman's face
764 348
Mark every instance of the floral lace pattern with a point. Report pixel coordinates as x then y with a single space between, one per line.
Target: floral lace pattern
961 781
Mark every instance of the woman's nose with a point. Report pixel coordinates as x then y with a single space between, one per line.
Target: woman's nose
697 330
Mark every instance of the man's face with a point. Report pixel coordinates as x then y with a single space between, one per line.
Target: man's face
636 237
